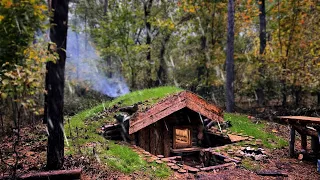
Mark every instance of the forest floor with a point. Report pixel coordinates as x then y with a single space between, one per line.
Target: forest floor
102 159
32 150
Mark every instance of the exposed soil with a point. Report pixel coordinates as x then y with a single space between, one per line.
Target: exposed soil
32 150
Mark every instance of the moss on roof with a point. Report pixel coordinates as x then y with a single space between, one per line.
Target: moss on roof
147 96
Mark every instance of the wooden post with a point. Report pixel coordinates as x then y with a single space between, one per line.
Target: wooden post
304 142
314 144
318 162
292 141
166 142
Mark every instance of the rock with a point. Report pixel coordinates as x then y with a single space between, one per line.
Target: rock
175 167
242 148
160 156
258 157
170 164
165 160
158 161
227 160
181 170
149 160
237 158
230 151
224 131
239 155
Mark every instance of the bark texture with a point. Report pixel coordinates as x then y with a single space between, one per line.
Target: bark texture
263 43
230 58
55 85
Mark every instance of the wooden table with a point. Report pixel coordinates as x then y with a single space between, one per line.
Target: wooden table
299 124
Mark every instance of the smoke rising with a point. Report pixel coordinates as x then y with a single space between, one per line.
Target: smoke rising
86 68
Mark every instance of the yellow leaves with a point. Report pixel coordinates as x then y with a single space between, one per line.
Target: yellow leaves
1 18
6 3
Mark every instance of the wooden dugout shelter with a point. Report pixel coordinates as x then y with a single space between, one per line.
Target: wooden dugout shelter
173 125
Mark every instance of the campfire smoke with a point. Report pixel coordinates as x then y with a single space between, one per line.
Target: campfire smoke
86 68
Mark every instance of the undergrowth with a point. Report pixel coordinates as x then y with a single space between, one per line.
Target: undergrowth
241 124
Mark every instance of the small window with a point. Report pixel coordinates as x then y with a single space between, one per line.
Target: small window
182 137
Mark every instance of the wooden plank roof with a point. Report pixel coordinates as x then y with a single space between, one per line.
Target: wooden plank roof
171 104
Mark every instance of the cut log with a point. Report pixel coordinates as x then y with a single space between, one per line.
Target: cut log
271 173
225 157
221 166
52 175
182 150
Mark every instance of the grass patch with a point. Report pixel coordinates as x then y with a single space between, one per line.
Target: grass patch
241 124
81 132
250 165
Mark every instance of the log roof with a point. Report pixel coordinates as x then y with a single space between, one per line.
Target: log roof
171 104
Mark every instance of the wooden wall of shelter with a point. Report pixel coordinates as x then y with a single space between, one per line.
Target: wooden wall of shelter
157 138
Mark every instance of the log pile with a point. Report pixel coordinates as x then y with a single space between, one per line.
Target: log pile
112 131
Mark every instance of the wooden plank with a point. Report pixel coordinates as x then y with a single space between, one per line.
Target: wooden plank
152 139
271 173
292 141
147 140
142 137
224 157
160 106
182 150
200 101
301 119
166 141
221 166
195 107
159 140
154 118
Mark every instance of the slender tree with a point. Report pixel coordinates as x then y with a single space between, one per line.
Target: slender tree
263 43
147 10
55 84
230 58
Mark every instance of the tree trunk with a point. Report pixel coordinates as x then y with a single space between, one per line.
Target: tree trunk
55 85
297 95
284 92
147 10
162 71
230 58
263 42
105 7
201 69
